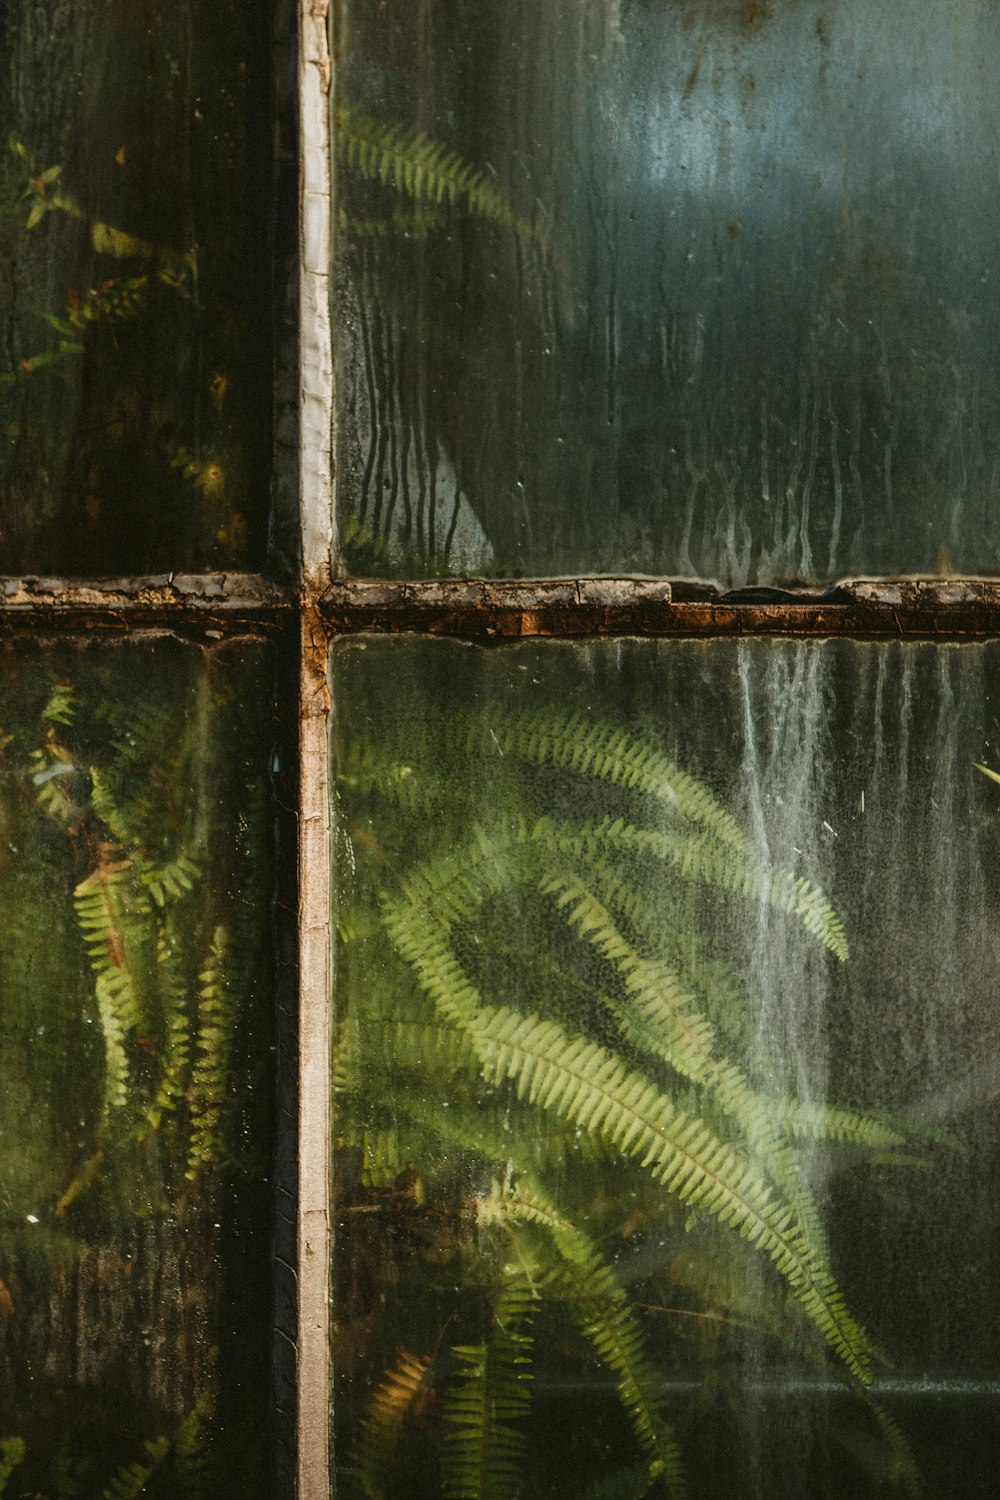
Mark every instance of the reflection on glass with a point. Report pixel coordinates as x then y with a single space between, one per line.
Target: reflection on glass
134 1087
693 287
135 352
658 1169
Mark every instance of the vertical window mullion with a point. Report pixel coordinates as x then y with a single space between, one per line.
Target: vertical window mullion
316 391
315 904
316 346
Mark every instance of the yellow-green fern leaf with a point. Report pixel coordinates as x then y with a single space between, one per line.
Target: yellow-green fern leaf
488 1398
404 1390
428 171
209 1088
595 1090
105 914
175 1060
605 752
131 1479
606 1319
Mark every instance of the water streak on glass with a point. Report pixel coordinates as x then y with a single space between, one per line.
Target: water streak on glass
135 361
666 1081
676 286
135 1072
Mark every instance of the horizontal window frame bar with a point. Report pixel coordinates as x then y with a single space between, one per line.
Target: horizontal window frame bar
210 604
496 610
493 610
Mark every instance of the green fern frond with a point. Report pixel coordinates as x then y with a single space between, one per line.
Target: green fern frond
904 1472
344 1064
404 1387
822 1122
663 1018
131 1479
139 737
12 1452
627 1033
114 301
428 171
384 1155
429 1048
480 1127
658 1014
362 769
722 1283
170 881
102 902
50 768
595 1090
176 1052
605 1318
489 1394
46 194
415 223
106 807
604 752
192 1457
708 861
705 859
209 1088
61 705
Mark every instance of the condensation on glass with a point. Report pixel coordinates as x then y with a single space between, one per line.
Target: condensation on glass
676 286
666 1070
135 1071
135 360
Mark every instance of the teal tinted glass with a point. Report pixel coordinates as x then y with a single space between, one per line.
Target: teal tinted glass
690 287
135 1071
666 1072
135 360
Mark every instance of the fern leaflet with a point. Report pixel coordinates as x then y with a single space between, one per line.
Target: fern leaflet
131 1479
428 171
489 1394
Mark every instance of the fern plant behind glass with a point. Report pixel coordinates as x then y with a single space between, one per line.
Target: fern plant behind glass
131 910
414 215
547 1128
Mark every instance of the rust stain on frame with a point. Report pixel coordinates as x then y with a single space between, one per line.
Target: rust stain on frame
478 610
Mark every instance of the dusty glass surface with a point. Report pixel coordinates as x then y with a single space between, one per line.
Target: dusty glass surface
677 286
135 1071
666 1070
135 361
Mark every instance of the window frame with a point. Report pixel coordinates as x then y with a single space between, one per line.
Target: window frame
304 603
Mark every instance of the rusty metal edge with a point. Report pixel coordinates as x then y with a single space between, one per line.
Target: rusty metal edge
205 603
486 610
501 609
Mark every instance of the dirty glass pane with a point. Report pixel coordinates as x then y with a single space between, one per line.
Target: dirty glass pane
679 286
135 359
667 1137
135 1072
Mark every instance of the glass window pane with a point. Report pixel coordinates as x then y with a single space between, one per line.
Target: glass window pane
135 362
136 1074
666 1069
703 288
